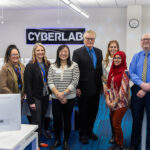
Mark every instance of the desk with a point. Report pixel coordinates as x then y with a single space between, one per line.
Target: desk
18 140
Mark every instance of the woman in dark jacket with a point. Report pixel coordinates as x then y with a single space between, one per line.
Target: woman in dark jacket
36 87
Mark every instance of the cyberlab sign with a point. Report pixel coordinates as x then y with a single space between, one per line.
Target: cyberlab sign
55 36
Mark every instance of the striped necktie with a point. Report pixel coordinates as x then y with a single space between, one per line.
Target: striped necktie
144 73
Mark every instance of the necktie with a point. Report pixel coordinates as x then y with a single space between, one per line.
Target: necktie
144 73
91 55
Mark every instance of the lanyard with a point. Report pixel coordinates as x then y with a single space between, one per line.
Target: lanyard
43 72
18 72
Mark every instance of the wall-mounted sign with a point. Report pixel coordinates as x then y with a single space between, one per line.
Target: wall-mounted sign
55 36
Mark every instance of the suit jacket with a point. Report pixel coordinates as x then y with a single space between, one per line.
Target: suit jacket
9 79
90 81
34 83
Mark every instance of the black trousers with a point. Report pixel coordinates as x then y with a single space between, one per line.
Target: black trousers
62 113
88 107
137 108
38 115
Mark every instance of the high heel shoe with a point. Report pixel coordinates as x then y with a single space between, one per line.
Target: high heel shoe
112 140
43 145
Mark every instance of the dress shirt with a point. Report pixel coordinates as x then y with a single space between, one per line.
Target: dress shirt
94 55
136 68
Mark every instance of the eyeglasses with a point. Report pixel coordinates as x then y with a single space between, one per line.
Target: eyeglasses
118 58
146 39
15 55
112 47
90 39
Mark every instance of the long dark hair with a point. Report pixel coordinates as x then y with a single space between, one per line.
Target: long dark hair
8 52
58 61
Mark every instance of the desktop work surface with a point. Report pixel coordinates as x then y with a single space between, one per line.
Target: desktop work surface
18 140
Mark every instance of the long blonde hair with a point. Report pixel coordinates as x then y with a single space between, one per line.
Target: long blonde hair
33 54
106 60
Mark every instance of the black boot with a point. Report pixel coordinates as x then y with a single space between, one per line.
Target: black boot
56 144
66 145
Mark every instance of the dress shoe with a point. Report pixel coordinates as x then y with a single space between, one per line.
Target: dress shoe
47 134
132 147
84 140
93 136
56 144
118 147
43 145
65 145
112 140
112 147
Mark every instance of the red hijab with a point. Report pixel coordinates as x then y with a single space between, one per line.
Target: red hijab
117 71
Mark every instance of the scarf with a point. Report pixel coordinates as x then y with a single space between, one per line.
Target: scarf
116 72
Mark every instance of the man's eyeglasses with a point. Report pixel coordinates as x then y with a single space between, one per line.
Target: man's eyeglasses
90 39
146 39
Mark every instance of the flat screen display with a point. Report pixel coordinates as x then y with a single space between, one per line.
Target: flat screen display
10 112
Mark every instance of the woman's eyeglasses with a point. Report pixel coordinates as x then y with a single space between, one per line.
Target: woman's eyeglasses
14 55
118 58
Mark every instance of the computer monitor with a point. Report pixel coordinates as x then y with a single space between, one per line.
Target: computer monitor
10 112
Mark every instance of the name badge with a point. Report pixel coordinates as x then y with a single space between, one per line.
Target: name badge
58 71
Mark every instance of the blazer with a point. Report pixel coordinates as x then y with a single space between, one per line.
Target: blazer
9 79
90 82
34 83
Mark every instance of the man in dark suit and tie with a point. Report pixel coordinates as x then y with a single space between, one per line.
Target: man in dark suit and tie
89 60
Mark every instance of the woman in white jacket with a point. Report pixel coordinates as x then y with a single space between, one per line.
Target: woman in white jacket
112 48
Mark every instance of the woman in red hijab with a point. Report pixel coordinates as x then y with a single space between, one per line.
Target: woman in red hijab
117 95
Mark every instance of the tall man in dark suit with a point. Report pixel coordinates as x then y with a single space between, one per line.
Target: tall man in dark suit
89 60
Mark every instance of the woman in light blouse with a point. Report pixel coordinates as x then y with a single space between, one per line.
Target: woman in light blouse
112 48
63 77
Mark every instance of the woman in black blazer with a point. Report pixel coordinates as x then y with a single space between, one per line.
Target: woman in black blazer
36 87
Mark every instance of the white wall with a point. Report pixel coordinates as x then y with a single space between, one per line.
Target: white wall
146 20
109 23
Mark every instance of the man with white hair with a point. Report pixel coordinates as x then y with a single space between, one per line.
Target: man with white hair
140 76
89 59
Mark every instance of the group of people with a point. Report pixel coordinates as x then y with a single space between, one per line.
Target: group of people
86 76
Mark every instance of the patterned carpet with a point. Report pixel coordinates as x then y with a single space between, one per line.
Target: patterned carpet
101 129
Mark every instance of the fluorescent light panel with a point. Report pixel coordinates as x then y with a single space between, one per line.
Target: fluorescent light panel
66 2
76 8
